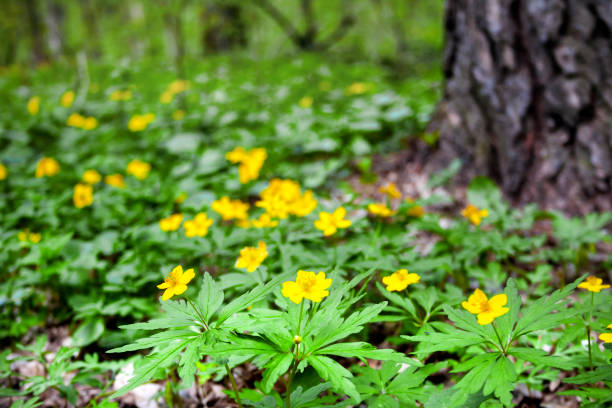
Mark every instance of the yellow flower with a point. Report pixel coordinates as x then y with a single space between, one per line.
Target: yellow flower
415 211
90 123
606 337
486 309
75 120
306 102
251 257
324 85
26 235
171 223
91 177
472 213
115 180
308 285
390 190
330 222
166 97
140 122
237 155
3 172
47 166
34 105
593 284
181 198
380 209
231 209
244 223
198 226
83 195
178 114
283 197
67 99
264 221
358 88
138 169
119 95
297 339
176 282
400 280
178 86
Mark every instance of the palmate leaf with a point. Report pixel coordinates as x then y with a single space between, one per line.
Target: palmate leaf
163 358
274 369
175 314
158 339
539 315
467 321
210 297
336 374
364 350
541 358
450 340
602 373
308 398
187 364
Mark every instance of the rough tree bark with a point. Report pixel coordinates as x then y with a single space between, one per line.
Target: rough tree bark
528 98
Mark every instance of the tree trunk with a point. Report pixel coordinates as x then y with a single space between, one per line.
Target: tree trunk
528 98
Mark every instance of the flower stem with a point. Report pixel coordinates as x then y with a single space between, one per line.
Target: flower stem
294 365
588 332
234 386
198 313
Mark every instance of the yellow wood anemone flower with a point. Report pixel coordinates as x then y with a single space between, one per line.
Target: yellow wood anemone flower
400 280
34 105
47 166
307 285
231 209
138 169
380 209
593 284
486 309
606 337
171 223
330 222
305 102
475 215
264 221
3 172
67 99
83 195
176 282
390 190
91 177
251 257
115 180
198 226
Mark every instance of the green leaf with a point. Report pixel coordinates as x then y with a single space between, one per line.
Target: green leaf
210 297
89 332
248 299
153 362
541 358
187 364
156 340
466 321
274 369
333 372
365 350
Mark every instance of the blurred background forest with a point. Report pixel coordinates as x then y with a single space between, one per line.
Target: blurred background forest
403 35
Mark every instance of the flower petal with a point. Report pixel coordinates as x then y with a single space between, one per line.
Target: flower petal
187 276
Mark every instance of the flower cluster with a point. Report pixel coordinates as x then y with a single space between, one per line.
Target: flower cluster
138 123
329 223
231 209
82 122
251 257
47 166
250 162
198 227
307 285
400 280
486 309
138 169
475 215
26 235
284 197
